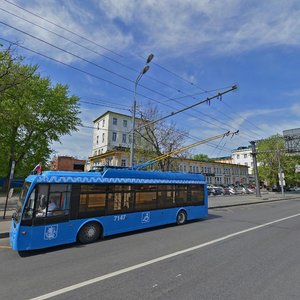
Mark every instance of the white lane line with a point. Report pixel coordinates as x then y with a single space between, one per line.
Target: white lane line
152 261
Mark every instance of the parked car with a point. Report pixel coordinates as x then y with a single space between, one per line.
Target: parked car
240 190
295 189
215 190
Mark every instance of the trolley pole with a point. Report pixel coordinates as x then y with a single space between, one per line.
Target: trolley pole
253 147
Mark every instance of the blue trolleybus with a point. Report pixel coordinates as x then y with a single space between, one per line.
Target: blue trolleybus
57 207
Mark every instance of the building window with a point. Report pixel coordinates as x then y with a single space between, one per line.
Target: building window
114 137
124 123
245 155
237 156
103 122
246 164
123 163
184 168
103 137
97 141
98 125
124 138
115 121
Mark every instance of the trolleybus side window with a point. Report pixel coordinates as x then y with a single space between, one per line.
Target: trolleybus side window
145 197
56 202
92 198
181 194
120 198
197 194
166 196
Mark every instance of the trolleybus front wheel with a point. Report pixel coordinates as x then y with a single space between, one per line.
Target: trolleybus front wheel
89 233
181 218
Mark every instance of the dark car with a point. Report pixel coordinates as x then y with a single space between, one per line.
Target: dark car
215 190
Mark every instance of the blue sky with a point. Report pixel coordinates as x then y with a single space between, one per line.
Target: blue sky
199 45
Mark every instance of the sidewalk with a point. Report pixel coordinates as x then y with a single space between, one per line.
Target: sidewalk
213 203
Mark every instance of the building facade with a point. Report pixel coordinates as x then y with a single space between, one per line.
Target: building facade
242 156
67 163
111 130
111 147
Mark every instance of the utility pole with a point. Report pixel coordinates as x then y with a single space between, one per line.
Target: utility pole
144 70
281 179
253 147
8 195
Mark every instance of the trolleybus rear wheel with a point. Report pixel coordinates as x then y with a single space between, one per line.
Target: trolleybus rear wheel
89 233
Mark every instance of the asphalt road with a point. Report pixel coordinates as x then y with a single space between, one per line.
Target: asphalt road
246 252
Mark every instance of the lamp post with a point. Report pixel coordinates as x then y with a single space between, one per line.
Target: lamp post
144 70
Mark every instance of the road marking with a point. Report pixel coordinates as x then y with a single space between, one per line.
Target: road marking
155 260
5 247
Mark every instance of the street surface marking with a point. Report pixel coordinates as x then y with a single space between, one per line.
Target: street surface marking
155 260
5 247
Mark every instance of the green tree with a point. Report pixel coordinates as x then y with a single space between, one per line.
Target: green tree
272 150
202 157
33 114
12 72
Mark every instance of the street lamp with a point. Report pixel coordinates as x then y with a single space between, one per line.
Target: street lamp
144 70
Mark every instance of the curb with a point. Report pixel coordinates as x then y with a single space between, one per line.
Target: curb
250 203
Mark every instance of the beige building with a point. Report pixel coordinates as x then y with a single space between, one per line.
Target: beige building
111 147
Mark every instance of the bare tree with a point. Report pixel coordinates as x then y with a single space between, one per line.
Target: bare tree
157 138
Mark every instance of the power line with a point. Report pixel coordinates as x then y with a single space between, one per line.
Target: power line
103 105
89 49
61 27
92 62
90 74
244 119
84 38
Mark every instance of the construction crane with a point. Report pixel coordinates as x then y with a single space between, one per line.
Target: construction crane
174 152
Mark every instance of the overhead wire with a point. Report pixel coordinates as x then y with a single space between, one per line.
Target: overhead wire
101 46
80 70
78 44
204 91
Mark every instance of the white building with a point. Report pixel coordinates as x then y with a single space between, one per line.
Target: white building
242 156
111 130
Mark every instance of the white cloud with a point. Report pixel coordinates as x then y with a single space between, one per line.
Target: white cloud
75 18
168 28
295 109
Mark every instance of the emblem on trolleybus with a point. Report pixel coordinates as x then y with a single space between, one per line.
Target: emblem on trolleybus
51 232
